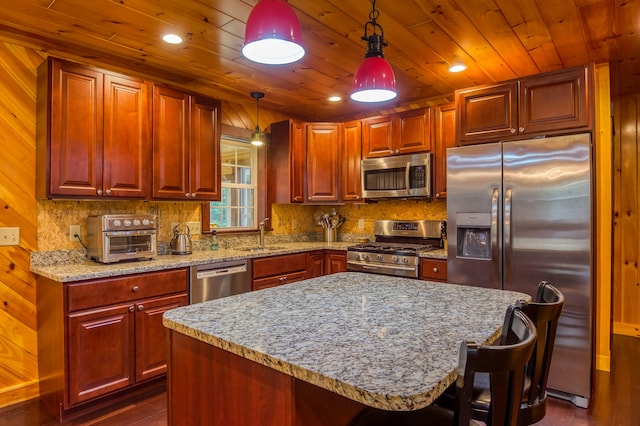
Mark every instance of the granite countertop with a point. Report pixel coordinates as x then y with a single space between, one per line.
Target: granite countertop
88 269
387 342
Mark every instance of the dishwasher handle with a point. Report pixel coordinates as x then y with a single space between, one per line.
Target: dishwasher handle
221 271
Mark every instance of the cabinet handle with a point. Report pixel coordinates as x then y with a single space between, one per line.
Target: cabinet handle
193 195
140 307
521 129
108 192
283 278
513 130
397 151
132 308
297 198
435 269
187 195
135 288
99 191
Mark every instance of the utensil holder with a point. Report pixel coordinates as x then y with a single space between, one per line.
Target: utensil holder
330 235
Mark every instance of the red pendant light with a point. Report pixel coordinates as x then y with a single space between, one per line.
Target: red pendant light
374 80
273 34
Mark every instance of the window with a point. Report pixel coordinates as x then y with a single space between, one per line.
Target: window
238 208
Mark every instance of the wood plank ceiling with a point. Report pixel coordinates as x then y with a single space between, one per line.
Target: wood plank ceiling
497 39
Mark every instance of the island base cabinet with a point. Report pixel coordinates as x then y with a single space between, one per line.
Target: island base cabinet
208 385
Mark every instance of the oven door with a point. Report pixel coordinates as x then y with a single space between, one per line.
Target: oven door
124 245
408 271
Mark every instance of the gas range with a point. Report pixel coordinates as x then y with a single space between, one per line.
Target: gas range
397 247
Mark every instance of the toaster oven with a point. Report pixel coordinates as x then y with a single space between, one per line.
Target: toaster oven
120 237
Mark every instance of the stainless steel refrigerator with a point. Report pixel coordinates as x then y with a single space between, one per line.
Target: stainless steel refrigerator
520 212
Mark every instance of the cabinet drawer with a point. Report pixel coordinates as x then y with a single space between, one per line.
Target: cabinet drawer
278 265
277 280
433 269
108 291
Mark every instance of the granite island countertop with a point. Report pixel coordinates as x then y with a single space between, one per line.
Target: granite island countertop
386 342
88 269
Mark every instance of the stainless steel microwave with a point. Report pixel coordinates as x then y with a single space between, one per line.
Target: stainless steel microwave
401 176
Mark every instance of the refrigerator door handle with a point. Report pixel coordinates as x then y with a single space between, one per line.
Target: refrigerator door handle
508 250
495 249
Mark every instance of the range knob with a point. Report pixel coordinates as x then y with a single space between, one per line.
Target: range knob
145 222
405 259
365 257
379 257
127 223
394 258
117 223
136 222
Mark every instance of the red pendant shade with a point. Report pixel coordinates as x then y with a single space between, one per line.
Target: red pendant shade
374 81
273 34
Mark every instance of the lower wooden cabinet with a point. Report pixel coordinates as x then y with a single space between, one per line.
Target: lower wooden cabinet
433 269
101 336
278 270
335 261
315 264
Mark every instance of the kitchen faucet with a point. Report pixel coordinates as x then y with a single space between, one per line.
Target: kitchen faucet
261 225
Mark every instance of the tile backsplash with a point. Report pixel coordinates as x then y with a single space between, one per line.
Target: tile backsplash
55 218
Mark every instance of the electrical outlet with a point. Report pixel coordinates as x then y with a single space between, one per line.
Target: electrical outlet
195 228
294 224
9 236
73 231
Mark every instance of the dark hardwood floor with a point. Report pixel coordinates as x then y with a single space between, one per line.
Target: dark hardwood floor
616 401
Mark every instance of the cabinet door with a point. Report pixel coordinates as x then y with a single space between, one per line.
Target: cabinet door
487 113
286 162
377 136
101 351
413 131
445 137
555 101
76 130
350 157
127 138
170 149
323 146
151 335
433 270
315 264
335 262
204 150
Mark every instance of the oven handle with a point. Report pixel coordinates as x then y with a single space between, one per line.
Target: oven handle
377 267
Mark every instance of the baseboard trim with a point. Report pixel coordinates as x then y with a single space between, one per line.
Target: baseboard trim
19 393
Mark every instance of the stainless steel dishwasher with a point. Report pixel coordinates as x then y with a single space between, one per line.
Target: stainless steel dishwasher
221 279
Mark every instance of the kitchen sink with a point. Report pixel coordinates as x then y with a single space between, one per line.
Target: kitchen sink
260 249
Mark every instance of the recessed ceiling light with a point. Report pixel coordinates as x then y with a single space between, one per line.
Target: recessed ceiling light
172 38
335 98
457 67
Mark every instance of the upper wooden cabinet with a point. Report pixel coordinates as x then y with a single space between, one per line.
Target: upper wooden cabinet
93 133
186 146
286 162
547 103
445 137
350 157
397 134
323 147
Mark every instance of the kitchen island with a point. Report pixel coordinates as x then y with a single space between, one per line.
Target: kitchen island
318 351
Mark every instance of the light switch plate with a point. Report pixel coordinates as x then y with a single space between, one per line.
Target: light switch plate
195 228
9 236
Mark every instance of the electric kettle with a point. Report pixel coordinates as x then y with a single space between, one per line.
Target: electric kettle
181 241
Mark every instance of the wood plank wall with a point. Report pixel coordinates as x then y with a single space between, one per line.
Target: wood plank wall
626 247
18 350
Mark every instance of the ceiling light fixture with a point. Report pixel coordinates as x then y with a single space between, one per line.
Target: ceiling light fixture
172 38
334 98
457 67
374 80
257 137
273 34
